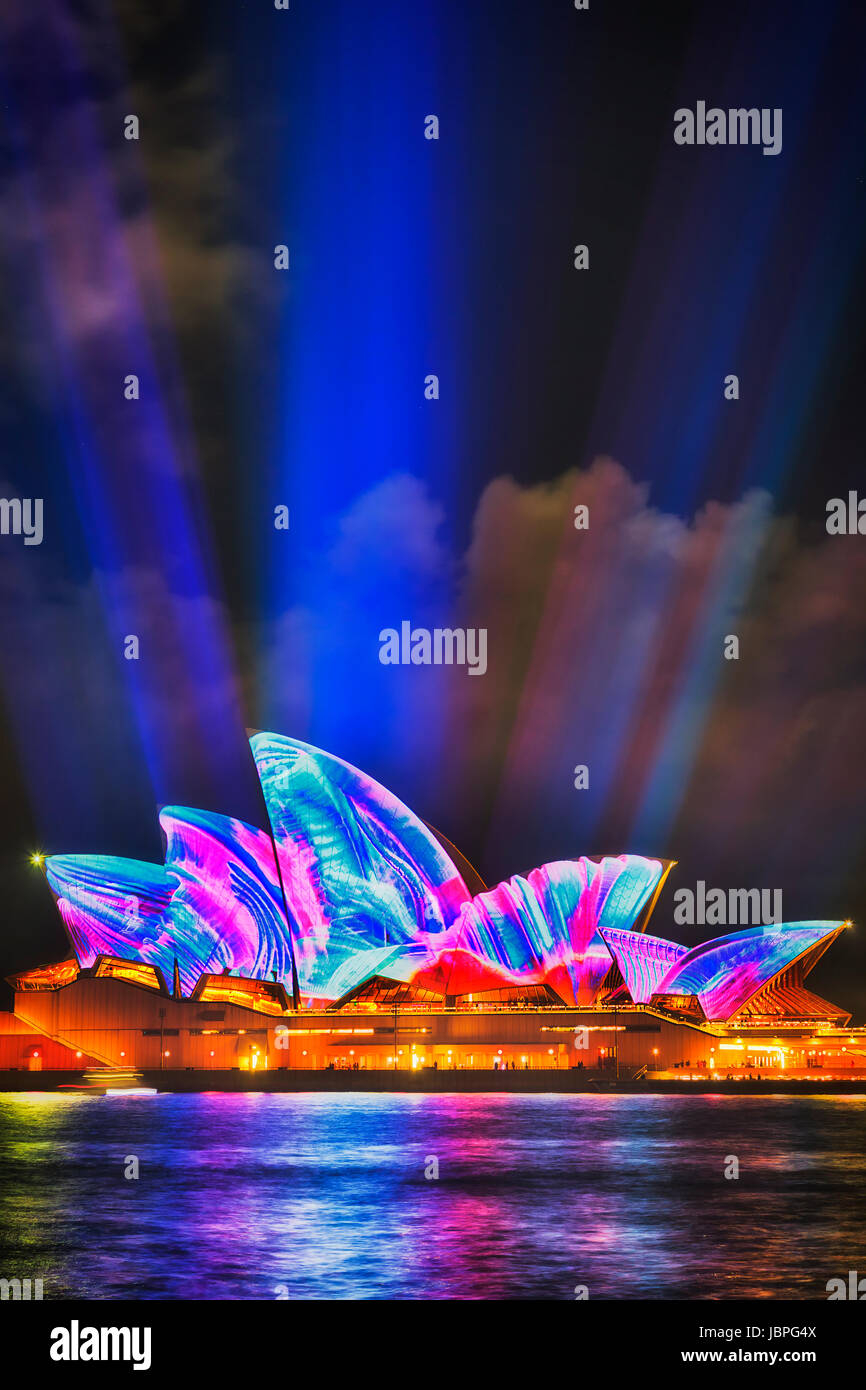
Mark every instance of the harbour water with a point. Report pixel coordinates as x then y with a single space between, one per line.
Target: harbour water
376 1196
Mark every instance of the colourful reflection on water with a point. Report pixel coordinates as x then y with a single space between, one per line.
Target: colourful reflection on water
240 1197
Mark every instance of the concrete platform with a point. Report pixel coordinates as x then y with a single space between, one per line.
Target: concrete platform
429 1082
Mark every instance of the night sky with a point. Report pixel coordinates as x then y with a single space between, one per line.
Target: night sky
558 387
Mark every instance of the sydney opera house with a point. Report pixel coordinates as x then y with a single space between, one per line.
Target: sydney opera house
350 936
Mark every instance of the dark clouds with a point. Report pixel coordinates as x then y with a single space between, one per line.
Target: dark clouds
606 648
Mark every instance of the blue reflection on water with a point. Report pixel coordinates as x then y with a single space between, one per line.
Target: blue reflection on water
326 1195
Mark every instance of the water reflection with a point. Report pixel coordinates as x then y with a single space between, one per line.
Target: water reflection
327 1196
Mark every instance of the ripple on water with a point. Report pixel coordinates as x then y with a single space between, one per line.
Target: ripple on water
327 1195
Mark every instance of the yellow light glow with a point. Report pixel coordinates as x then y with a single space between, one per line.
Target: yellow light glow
37 859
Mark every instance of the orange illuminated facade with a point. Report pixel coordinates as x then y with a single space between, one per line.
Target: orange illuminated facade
121 1015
